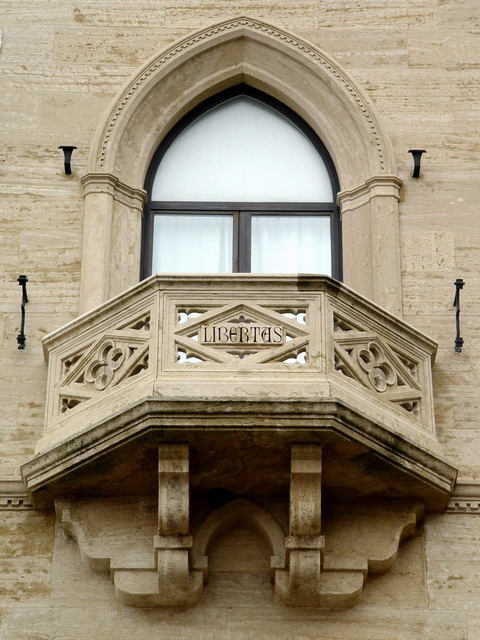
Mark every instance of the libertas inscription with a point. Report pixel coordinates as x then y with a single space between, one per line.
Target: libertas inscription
251 334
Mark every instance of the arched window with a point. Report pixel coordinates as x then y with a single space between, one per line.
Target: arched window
241 184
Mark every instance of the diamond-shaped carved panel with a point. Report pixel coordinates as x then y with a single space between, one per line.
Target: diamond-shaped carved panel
242 333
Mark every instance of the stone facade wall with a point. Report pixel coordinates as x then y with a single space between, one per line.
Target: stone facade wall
61 63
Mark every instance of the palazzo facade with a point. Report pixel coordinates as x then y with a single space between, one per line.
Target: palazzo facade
238 392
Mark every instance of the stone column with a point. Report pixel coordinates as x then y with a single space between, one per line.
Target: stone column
371 241
111 238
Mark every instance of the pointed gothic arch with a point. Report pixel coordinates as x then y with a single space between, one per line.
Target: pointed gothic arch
289 69
239 513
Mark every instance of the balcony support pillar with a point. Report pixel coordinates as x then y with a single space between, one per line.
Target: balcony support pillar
300 584
176 586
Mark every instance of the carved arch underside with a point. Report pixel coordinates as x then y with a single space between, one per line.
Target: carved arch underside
239 512
268 58
360 539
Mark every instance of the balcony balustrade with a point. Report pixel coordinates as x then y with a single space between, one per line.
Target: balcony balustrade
251 386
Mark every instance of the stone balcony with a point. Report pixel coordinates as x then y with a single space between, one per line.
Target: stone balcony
232 392
239 363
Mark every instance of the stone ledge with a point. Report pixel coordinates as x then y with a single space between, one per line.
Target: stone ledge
13 496
132 433
465 498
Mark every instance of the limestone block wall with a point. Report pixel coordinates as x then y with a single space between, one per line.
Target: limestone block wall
61 63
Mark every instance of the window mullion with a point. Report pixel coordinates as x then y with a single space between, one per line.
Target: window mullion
236 242
244 241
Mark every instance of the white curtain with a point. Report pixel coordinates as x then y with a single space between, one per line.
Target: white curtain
291 244
192 243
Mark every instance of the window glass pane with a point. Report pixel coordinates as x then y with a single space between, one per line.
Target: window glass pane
242 151
192 243
291 244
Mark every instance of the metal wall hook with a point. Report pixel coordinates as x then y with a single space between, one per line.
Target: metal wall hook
417 157
456 303
67 153
21 339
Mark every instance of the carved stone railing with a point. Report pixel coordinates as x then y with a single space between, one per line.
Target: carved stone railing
251 386
239 337
287 358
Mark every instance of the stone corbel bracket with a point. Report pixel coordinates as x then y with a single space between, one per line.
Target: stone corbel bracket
304 546
308 569
330 570
157 577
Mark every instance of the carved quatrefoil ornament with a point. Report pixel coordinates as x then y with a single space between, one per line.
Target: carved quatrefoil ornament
102 370
380 373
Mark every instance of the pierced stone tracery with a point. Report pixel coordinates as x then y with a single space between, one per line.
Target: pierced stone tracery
118 356
237 331
244 337
101 371
380 369
380 373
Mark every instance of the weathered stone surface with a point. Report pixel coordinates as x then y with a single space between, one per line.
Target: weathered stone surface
25 557
105 13
452 545
451 17
62 62
457 49
354 625
473 627
192 14
403 585
86 44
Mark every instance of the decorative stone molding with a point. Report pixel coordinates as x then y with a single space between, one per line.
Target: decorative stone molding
111 237
464 505
94 183
371 238
381 186
103 155
465 498
13 496
290 69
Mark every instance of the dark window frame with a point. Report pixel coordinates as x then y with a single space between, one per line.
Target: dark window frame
241 211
